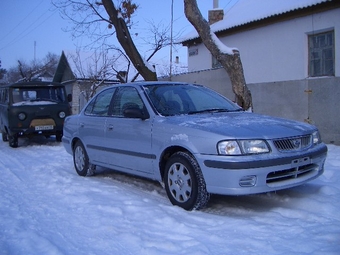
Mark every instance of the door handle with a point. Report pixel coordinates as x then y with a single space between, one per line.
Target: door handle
81 124
110 127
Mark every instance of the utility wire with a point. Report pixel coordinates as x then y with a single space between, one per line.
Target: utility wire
14 28
26 32
229 9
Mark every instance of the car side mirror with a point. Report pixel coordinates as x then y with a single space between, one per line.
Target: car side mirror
135 113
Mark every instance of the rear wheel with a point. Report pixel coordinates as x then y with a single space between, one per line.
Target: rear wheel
184 182
81 160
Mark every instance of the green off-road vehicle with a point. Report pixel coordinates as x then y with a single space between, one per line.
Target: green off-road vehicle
32 108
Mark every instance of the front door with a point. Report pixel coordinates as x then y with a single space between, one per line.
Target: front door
129 139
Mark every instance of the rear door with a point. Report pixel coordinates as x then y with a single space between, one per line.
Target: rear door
92 126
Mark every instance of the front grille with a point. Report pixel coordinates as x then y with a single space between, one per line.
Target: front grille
293 143
290 174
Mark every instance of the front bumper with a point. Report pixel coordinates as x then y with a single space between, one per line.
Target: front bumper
261 173
32 131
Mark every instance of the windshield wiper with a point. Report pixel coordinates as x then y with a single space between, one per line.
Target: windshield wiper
209 110
237 110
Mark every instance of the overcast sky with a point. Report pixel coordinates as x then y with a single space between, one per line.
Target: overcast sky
31 29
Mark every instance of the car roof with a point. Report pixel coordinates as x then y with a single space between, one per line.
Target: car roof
139 84
147 83
144 83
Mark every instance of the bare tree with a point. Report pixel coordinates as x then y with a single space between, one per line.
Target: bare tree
125 40
2 73
122 75
95 70
87 17
230 61
159 39
25 72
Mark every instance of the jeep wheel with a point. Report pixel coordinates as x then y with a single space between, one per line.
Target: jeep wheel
4 136
58 137
13 140
184 182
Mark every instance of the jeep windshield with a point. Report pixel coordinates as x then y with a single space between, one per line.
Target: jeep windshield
38 95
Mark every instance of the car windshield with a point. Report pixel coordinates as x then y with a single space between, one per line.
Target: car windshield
38 95
174 99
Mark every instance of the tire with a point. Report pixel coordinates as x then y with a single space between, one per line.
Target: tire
80 159
184 182
4 136
58 137
13 140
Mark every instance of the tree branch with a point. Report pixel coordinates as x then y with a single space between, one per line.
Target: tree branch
124 38
231 61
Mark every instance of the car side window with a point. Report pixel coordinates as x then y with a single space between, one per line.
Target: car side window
126 97
100 105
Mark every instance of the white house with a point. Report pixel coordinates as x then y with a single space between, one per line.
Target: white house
290 51
279 40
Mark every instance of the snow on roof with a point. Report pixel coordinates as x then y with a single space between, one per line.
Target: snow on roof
247 11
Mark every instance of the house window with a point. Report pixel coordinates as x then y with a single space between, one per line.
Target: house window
215 63
321 54
193 52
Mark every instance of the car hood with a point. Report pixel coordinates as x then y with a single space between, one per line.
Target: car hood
242 125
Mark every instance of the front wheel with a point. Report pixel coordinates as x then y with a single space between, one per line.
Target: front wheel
58 137
81 160
4 136
184 182
13 140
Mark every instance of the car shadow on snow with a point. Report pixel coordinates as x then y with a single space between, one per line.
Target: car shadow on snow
137 182
233 206
37 140
248 205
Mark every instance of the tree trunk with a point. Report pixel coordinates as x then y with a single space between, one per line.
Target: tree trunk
124 38
230 61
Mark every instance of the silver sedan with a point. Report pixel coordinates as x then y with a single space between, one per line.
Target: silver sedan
192 140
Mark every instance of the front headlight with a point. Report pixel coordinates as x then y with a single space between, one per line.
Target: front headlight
22 116
254 146
62 114
228 148
316 138
239 147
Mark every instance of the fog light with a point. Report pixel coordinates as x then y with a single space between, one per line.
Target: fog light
248 181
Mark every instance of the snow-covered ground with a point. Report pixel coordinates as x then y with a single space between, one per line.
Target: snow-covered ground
46 208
